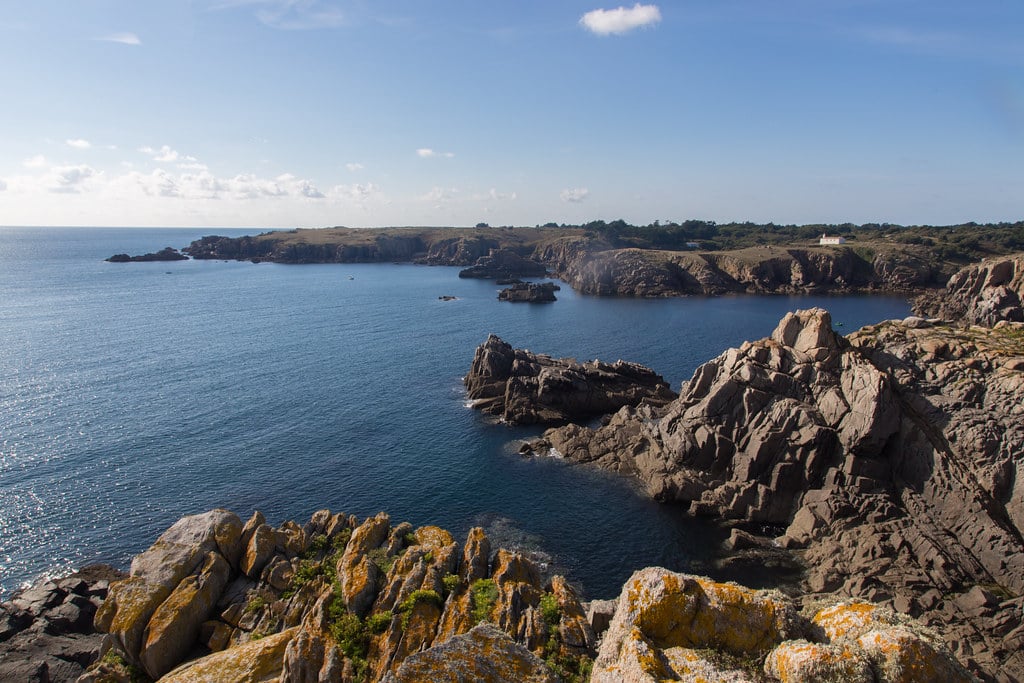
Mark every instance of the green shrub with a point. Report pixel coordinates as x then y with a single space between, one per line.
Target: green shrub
378 623
380 557
550 610
416 597
256 603
451 582
484 594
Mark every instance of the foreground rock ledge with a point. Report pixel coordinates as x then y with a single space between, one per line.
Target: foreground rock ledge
337 600
890 460
526 388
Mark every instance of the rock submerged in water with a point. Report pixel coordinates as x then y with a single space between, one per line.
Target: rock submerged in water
525 388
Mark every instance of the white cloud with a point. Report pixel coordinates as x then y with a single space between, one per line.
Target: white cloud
3 184
427 153
38 161
620 20
354 167
122 38
79 143
359 192
501 196
69 179
574 195
164 154
291 15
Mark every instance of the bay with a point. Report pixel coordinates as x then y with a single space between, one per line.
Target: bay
133 394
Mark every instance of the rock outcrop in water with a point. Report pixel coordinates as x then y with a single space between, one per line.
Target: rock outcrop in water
891 459
525 388
984 294
529 292
165 254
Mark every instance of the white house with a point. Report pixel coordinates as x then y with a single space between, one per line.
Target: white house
826 239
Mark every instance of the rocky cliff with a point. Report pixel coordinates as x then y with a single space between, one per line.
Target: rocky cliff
891 459
526 388
983 294
640 272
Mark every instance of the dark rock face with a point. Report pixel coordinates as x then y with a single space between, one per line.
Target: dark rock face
525 388
503 264
983 294
892 457
529 292
46 631
165 254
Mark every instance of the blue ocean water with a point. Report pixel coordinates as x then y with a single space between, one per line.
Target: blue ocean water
133 394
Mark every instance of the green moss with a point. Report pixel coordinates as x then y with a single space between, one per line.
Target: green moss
484 594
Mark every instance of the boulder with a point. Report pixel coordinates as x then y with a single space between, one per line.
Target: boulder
529 292
257 661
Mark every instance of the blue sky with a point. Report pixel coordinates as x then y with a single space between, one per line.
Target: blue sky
284 113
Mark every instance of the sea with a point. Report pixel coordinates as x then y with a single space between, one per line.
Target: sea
132 394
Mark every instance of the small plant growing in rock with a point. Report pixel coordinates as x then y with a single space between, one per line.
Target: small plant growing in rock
256 603
484 594
416 597
114 667
380 557
378 622
451 582
550 610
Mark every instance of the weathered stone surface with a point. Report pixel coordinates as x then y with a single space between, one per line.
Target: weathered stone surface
157 572
983 294
174 628
357 574
258 661
524 388
485 654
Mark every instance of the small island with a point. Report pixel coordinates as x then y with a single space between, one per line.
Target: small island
165 254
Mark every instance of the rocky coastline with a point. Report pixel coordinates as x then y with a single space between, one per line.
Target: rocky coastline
590 265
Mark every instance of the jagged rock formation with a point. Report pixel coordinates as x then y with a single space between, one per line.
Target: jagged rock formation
983 294
46 630
165 254
333 601
524 388
503 264
529 292
666 623
892 457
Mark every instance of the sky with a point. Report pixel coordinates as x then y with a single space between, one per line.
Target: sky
313 113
